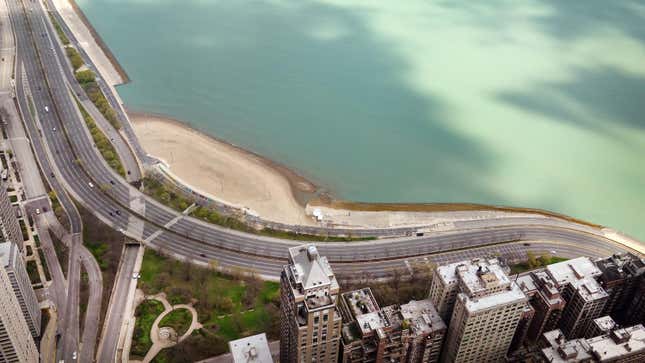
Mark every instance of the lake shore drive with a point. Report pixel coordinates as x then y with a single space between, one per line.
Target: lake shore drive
225 171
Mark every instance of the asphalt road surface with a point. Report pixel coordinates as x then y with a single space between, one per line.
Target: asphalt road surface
70 162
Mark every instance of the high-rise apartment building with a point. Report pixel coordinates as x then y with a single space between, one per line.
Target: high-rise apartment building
426 331
310 321
618 346
545 299
369 335
11 262
409 333
635 311
600 326
9 225
621 275
585 298
16 342
486 309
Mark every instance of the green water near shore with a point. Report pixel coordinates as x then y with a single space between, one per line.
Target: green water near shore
534 103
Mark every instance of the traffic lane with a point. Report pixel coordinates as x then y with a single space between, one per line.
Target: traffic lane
117 306
91 325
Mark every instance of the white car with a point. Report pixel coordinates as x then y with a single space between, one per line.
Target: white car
74 355
54 129
37 210
46 108
91 184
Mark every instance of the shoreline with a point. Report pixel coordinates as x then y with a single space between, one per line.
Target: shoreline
230 173
101 44
300 184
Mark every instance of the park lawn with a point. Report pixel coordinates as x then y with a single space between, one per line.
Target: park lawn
145 314
223 302
98 250
178 319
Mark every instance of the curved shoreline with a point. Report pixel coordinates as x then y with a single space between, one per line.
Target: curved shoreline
100 43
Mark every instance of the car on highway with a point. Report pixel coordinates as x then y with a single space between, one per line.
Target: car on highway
46 108
54 129
90 184
37 210
136 275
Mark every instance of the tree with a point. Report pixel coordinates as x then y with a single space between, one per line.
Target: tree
531 260
545 259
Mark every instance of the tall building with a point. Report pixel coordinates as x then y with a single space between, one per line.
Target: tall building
310 321
16 343
621 275
635 311
487 308
369 334
619 346
427 331
585 298
600 326
410 333
545 299
9 225
11 261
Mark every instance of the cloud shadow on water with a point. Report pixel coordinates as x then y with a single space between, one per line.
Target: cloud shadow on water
596 98
345 95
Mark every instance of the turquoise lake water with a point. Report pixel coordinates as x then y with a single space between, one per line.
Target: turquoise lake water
533 103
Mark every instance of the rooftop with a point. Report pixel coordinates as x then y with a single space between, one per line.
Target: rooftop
618 343
512 295
605 323
309 269
476 277
253 349
562 350
580 273
371 321
360 301
422 317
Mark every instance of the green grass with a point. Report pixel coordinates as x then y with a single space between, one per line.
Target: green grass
59 30
102 143
98 250
223 302
23 229
32 271
179 320
13 198
74 58
145 314
43 261
539 262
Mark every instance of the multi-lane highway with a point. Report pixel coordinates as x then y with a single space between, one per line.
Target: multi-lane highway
47 91
124 207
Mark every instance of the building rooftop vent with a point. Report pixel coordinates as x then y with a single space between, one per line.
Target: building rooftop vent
312 253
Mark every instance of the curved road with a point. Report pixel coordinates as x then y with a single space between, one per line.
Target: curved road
122 206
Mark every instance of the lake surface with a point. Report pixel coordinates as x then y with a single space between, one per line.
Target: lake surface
533 103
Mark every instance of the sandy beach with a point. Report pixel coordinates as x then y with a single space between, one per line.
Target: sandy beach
222 170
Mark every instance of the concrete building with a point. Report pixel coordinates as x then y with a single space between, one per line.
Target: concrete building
585 298
487 308
546 301
369 334
619 345
427 331
11 261
411 332
621 276
599 326
253 349
635 311
310 321
9 225
522 329
16 342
